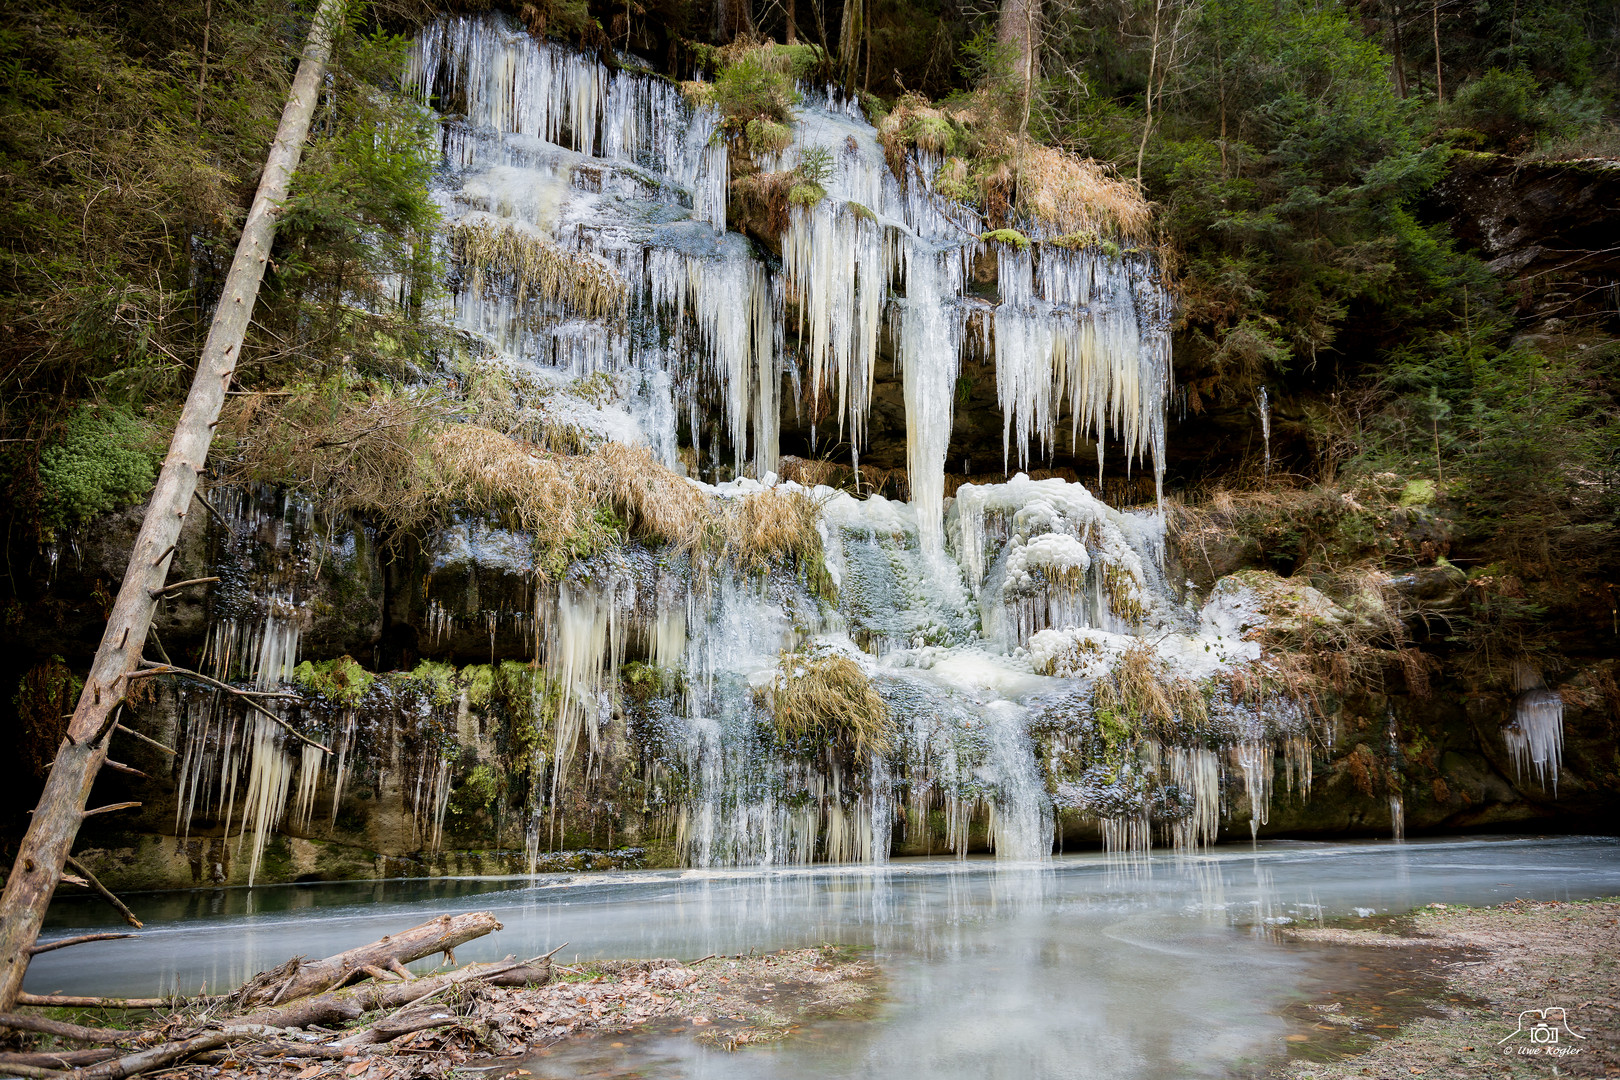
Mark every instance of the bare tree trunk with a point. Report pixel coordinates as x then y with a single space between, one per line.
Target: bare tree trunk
1147 95
1019 33
849 41
1398 61
55 824
1439 83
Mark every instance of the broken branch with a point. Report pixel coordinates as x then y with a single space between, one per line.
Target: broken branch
106 893
64 943
246 696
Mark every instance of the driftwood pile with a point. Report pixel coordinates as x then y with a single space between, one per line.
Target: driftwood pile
288 1012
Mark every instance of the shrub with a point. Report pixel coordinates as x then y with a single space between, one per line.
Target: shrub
749 88
105 460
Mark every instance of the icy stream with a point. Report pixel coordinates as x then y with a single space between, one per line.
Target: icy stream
1082 967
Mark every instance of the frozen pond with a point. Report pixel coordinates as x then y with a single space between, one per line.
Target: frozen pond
1078 967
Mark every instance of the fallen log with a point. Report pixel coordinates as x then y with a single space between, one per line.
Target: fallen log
77 1001
336 1006
57 1059
301 979
64 1030
157 1056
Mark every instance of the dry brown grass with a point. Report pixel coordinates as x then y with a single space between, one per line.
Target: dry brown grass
818 695
1140 687
760 202
402 462
397 460
577 283
1074 195
770 525
1016 177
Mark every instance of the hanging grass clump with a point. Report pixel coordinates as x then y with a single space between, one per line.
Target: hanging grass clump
574 282
819 696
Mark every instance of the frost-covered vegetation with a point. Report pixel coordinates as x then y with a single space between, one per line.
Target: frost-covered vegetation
518 405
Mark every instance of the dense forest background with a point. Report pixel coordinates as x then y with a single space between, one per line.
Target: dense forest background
1390 226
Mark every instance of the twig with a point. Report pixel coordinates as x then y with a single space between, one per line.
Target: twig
146 739
181 585
109 808
246 696
73 1001
694 963
33 1070
106 893
52 946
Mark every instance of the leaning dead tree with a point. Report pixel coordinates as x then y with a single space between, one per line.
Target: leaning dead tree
55 824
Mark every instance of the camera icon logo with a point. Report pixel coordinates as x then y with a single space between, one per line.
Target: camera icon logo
1542 1026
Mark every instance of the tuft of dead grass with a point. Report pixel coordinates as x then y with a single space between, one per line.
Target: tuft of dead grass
818 695
1073 195
577 283
771 525
1141 688
1014 179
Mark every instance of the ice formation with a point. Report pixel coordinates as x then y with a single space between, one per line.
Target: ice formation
993 624
1535 738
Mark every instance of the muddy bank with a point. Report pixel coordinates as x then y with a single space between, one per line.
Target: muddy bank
1503 975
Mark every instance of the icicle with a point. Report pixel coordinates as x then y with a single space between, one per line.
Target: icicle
269 773
1094 328
1397 819
839 264
309 778
1197 772
1256 761
929 336
340 778
1535 737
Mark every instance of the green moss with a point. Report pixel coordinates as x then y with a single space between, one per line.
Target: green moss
862 212
1418 493
1006 236
106 459
480 791
806 194
962 191
479 679
767 136
342 680
437 680
644 682
874 107
802 61
1074 241
932 133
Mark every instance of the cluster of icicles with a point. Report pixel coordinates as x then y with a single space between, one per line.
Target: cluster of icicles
618 167
545 146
